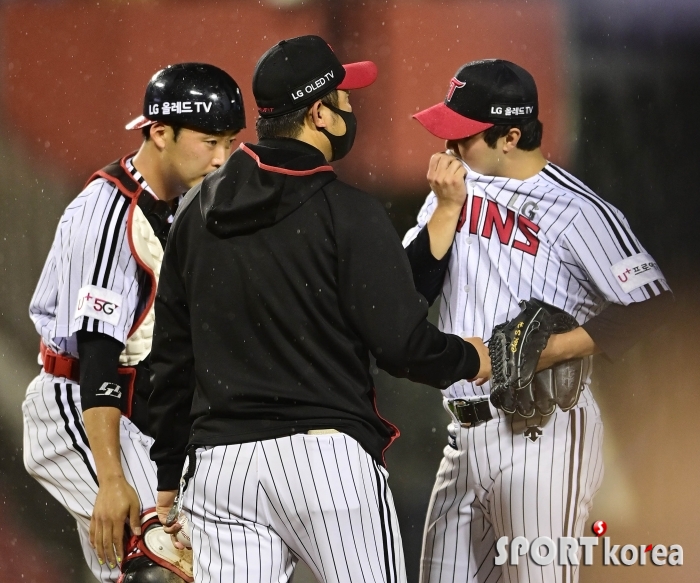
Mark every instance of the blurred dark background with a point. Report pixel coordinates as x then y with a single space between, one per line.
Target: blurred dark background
619 84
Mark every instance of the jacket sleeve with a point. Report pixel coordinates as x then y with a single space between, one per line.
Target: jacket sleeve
381 302
172 372
428 272
99 364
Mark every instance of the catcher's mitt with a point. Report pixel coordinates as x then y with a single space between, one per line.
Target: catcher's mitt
515 349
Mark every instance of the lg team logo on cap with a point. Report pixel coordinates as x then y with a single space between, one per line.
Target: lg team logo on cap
314 86
454 85
510 110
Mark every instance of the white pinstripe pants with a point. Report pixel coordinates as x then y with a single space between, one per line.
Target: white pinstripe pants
499 483
257 507
58 456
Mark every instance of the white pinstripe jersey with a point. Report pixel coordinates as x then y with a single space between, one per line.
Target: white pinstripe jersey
548 237
90 248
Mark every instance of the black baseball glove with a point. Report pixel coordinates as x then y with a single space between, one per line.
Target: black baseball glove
515 348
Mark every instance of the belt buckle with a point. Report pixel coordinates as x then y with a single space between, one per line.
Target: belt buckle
462 404
49 362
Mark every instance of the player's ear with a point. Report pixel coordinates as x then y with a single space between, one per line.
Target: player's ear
453 147
511 140
157 134
319 115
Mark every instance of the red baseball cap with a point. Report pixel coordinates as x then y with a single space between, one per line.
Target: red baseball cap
358 75
482 94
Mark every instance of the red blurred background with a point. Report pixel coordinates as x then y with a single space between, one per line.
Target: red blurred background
75 72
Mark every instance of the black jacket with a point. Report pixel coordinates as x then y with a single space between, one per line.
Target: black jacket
277 283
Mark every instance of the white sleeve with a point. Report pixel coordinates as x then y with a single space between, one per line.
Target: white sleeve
606 257
424 215
94 278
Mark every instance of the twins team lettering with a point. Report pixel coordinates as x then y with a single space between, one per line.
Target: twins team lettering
508 228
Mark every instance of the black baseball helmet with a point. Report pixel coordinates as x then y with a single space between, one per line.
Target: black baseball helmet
194 95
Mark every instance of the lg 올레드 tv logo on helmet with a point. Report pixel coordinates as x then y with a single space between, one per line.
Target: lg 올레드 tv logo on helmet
569 551
178 107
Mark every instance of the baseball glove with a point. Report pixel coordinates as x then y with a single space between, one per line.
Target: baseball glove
515 348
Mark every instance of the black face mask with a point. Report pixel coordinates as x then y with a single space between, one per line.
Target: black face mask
341 145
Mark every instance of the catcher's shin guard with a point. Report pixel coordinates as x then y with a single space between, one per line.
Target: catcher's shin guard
152 557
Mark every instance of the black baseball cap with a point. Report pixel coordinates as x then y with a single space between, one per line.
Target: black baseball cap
298 71
482 94
195 95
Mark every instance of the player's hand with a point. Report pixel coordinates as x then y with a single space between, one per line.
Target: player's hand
116 503
446 176
484 373
551 353
164 502
560 347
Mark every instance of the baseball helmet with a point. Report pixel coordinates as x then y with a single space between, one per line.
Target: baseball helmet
144 570
194 95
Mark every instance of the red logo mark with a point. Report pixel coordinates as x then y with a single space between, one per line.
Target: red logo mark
599 528
648 548
504 227
625 274
454 84
266 109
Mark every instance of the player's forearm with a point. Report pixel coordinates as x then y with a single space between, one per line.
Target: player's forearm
102 428
442 227
561 347
428 272
617 328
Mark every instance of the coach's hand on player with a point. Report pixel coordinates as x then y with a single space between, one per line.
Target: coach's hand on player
116 502
484 373
164 502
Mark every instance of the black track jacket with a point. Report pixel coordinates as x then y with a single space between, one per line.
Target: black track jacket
278 281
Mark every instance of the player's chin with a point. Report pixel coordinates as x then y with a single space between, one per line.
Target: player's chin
195 180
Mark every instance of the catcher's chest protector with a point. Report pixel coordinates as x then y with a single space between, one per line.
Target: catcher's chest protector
147 231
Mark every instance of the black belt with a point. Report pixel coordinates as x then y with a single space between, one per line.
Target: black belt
472 412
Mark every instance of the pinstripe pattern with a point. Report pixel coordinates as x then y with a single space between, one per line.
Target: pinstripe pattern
580 236
57 455
257 507
497 483
90 248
